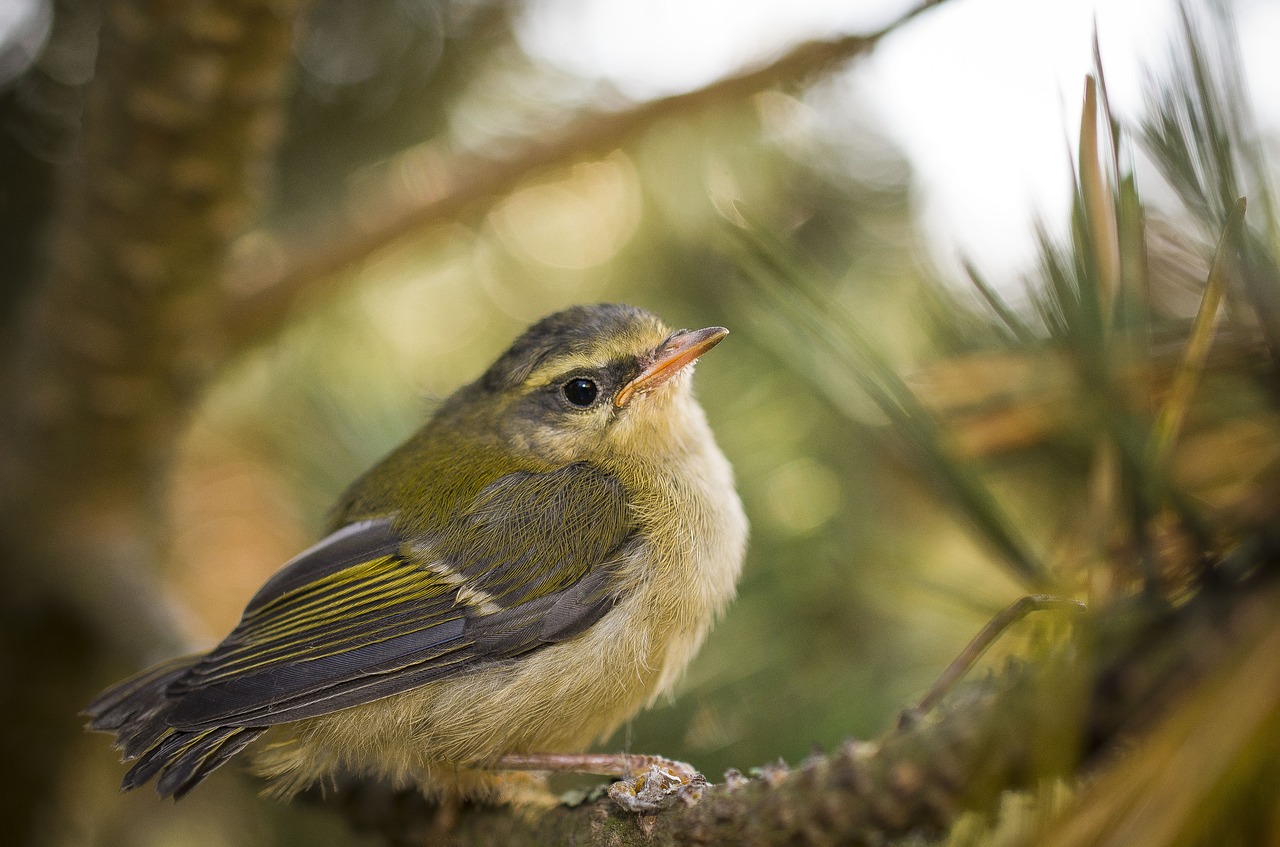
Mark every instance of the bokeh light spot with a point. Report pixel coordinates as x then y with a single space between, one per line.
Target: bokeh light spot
803 495
578 222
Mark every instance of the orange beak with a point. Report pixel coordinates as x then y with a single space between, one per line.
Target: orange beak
680 350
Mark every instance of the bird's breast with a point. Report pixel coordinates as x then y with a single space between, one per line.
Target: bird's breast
696 537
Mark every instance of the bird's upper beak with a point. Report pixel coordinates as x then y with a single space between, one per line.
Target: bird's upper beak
674 354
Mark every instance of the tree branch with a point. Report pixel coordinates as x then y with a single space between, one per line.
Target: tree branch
1057 716
464 188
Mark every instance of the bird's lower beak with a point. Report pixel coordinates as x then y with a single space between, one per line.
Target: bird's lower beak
677 352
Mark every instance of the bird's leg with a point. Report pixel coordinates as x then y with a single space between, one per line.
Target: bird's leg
620 765
646 783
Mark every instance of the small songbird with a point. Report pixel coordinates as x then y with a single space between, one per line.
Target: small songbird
536 564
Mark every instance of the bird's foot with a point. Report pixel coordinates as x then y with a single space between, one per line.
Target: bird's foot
661 785
646 784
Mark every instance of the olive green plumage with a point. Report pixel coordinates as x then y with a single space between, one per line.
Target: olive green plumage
536 564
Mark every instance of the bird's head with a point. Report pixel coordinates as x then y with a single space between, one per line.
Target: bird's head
606 383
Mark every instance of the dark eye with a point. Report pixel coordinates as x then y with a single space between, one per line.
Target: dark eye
580 392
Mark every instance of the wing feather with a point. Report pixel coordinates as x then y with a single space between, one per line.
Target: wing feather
367 613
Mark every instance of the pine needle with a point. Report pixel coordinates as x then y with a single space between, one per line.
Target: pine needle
1190 369
799 301
1099 205
1016 326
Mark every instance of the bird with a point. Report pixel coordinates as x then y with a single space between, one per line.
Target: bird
524 574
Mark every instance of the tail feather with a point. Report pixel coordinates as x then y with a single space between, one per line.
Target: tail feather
138 696
137 712
168 749
137 737
202 758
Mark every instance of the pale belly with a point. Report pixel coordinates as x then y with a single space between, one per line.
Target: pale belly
561 698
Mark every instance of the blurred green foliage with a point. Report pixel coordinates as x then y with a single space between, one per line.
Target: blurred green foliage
856 592
859 586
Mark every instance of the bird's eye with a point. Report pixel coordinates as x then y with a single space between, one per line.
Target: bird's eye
580 392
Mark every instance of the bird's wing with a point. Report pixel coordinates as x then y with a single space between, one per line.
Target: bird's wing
367 613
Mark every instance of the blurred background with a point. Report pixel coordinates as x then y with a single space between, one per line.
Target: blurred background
944 143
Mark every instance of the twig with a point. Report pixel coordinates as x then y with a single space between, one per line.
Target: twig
996 627
470 185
